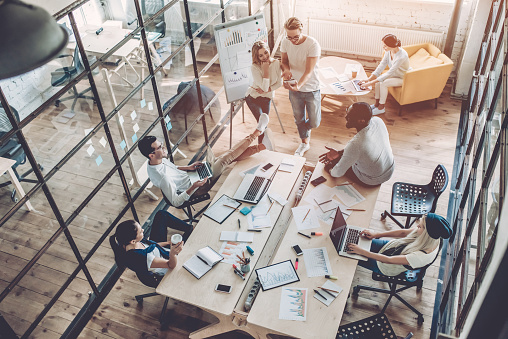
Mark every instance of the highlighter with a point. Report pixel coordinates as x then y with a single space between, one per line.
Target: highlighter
296 264
316 233
251 251
331 277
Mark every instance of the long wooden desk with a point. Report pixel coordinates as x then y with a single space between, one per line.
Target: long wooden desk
179 284
322 321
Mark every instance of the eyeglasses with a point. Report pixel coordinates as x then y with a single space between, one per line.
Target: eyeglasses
158 148
294 38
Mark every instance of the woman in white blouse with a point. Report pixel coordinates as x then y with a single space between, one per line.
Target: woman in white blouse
397 61
266 75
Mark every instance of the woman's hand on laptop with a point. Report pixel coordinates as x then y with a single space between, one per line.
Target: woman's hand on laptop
355 249
368 234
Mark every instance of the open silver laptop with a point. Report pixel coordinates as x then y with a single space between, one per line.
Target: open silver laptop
253 187
202 172
343 234
356 86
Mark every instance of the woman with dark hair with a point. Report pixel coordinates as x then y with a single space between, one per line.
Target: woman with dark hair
266 78
141 255
397 60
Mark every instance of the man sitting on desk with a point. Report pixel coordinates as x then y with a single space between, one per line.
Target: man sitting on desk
174 181
368 157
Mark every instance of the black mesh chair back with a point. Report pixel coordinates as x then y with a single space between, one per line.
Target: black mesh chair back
413 200
375 327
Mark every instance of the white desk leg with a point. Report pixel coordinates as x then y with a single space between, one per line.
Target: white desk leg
19 189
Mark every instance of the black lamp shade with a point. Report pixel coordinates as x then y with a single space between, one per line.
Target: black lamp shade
29 38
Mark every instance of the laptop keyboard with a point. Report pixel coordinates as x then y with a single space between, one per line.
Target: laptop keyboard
203 172
352 238
254 188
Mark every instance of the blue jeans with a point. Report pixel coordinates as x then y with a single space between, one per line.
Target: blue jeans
375 247
162 221
257 106
306 110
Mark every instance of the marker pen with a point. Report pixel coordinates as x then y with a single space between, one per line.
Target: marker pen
316 233
251 251
305 235
331 277
322 296
296 264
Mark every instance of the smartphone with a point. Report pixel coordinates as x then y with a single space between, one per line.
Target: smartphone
266 167
223 288
297 249
318 181
290 82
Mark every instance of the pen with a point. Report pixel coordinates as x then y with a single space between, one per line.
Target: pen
230 206
270 207
324 202
296 264
238 274
331 277
326 291
356 209
306 215
239 224
237 270
322 296
305 235
253 230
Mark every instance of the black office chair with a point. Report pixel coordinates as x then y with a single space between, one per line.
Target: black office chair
149 8
375 327
64 75
12 149
407 279
413 201
187 207
188 104
152 279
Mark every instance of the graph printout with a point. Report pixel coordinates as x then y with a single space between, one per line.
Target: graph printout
348 195
293 304
277 275
317 263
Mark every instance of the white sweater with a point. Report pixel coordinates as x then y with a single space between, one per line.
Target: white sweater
369 154
273 81
397 67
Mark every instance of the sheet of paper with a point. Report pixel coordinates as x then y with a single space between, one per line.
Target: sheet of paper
320 193
258 217
230 249
348 195
251 170
278 198
317 263
330 296
237 78
293 304
343 77
90 150
338 87
103 142
328 216
328 72
133 115
244 58
150 106
218 211
87 131
142 103
305 217
287 165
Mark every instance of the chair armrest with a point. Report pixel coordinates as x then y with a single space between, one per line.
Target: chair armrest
13 150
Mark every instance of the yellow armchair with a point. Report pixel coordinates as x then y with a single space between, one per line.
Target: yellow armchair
427 78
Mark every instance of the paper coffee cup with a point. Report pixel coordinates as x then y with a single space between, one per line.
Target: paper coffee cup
176 238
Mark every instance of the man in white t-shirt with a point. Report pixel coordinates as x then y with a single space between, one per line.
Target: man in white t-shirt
300 56
367 157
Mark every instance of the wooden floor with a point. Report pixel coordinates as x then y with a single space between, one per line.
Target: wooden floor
421 138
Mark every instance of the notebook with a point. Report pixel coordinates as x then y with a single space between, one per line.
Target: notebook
202 261
236 236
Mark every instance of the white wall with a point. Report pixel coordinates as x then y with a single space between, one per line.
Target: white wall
414 14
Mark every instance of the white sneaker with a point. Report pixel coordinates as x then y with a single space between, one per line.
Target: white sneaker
376 111
268 140
300 151
372 106
264 119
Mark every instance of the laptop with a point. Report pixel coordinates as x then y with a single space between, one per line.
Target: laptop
356 86
202 172
343 234
253 187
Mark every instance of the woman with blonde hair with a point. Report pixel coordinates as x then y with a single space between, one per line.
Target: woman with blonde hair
416 247
397 60
266 76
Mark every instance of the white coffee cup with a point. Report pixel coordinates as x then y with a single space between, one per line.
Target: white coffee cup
176 238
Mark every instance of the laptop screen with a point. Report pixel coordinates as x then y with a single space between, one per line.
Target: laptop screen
338 229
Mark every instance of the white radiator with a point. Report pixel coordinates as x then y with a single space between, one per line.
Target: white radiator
359 39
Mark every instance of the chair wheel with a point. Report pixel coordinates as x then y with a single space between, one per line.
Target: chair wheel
14 198
356 290
383 215
41 168
57 103
420 320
